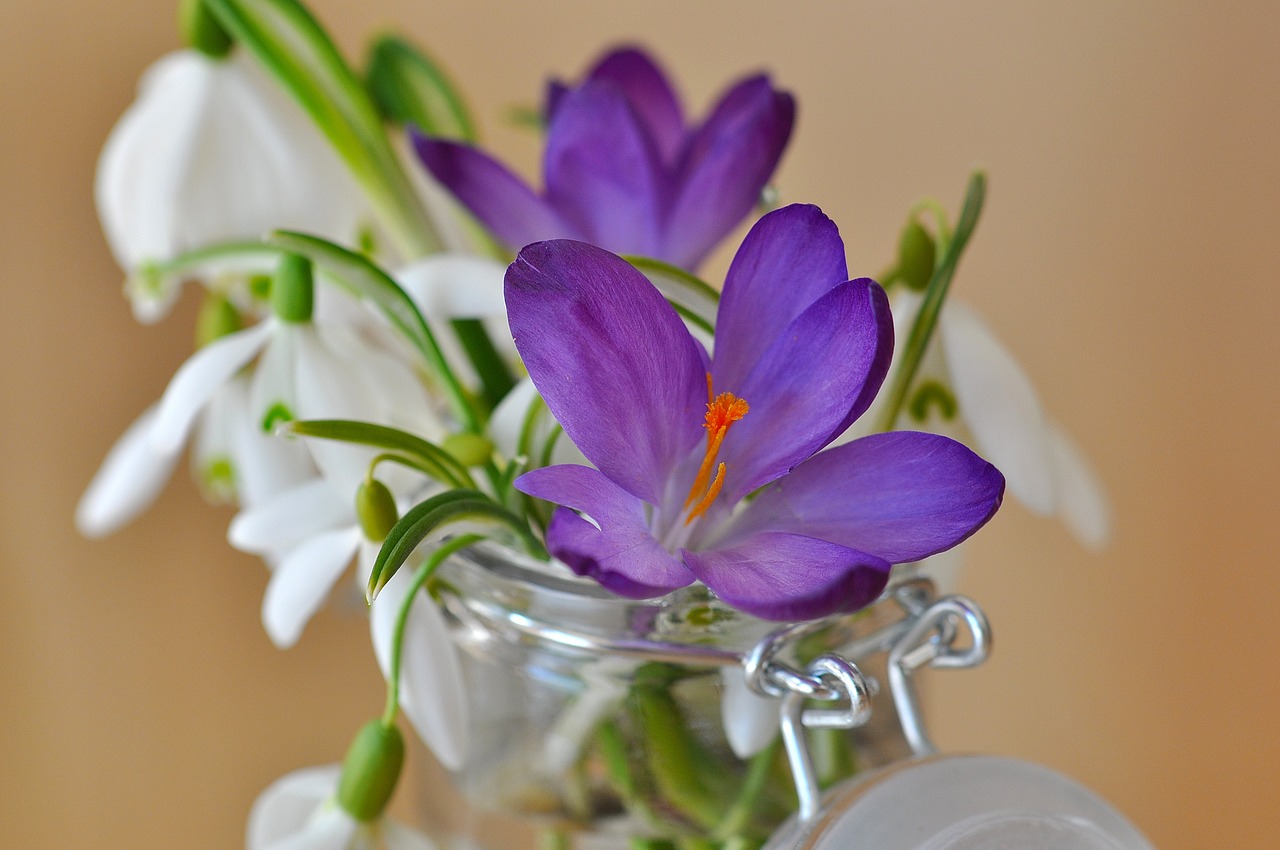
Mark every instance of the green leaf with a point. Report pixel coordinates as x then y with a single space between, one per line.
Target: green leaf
362 277
434 513
934 295
434 460
409 88
692 297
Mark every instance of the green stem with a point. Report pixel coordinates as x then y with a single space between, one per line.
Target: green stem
289 41
402 618
935 294
496 379
673 756
758 773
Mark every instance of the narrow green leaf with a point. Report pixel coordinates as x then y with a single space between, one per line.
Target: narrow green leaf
285 38
362 277
438 511
934 296
409 88
447 468
692 297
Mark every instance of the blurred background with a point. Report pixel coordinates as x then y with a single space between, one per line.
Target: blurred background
1127 257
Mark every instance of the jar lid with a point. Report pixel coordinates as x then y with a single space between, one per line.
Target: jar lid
962 803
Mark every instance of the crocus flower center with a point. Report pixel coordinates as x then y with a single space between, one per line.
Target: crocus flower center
722 411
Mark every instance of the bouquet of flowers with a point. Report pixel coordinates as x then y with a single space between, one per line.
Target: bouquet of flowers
406 353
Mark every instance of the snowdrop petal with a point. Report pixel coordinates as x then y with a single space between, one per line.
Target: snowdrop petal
214 151
750 720
328 829
286 806
432 690
507 422
1000 406
290 518
129 480
944 569
264 464
1082 503
399 837
299 585
455 286
199 378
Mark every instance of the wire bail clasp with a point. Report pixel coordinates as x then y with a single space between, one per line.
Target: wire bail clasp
931 642
928 635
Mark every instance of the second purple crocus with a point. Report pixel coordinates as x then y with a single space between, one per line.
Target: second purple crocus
710 468
623 170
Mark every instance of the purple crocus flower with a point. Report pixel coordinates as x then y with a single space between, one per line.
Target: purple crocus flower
623 171
680 439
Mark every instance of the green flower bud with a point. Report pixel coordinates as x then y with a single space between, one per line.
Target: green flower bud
409 88
217 318
201 30
371 770
376 509
469 449
293 289
916 256
932 396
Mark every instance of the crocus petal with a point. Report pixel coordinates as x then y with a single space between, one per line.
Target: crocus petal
613 545
602 172
789 259
778 576
646 88
1000 406
199 378
903 496
502 201
612 359
819 373
299 585
286 806
432 690
291 517
1082 502
750 720
129 480
726 166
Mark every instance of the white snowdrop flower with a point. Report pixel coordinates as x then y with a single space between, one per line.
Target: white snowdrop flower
214 151
969 387
432 688
300 812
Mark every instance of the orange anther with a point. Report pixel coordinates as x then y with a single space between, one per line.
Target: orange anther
722 411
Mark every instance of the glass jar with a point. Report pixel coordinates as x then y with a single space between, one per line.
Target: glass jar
597 721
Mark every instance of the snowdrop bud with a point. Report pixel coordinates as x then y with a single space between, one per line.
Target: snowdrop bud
293 289
916 255
376 509
217 318
469 449
371 770
409 88
201 29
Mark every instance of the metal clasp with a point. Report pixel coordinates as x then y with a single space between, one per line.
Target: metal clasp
926 637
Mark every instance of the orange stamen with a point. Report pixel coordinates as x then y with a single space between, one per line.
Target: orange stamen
722 411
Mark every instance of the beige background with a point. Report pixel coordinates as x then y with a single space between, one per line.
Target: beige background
1128 257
